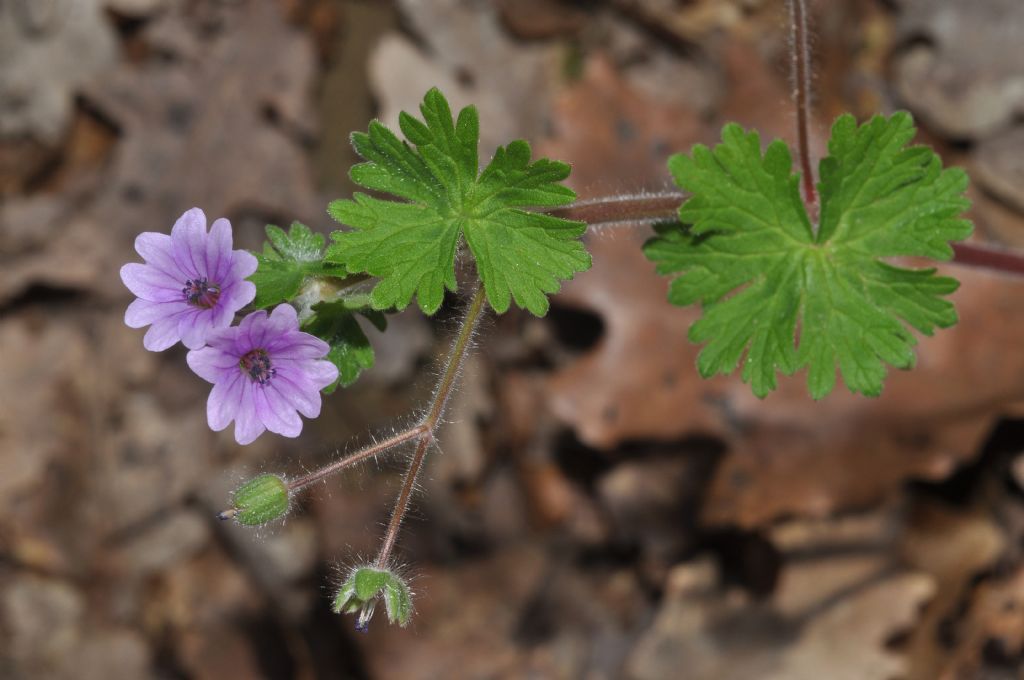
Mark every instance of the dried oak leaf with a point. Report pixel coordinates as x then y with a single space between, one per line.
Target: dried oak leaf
785 454
961 69
213 118
840 630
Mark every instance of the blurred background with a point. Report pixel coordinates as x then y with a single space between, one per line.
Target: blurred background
598 511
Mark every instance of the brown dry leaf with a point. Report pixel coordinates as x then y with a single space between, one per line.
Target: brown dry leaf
999 166
540 19
217 122
47 51
848 641
992 631
786 454
831 618
961 69
463 50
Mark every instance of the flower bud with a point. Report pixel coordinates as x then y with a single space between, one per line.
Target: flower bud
364 585
260 500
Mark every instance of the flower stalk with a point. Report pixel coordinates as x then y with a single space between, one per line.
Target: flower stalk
423 433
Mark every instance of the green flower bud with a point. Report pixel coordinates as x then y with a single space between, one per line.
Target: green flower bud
364 585
260 500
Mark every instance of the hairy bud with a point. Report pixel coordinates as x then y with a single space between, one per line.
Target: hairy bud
260 500
364 585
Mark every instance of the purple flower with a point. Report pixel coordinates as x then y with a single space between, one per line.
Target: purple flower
265 371
192 282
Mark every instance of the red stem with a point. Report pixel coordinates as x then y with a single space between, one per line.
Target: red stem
802 95
645 208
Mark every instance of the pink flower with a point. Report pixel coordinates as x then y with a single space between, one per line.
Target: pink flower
192 282
265 372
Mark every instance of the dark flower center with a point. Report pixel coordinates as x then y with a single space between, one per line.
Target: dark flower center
256 365
200 293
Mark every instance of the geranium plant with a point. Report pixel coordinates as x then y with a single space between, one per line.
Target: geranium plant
793 270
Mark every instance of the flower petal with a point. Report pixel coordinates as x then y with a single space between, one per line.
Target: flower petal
158 251
248 426
212 364
293 386
144 312
298 346
321 373
276 413
243 264
250 330
218 251
194 326
150 283
224 401
161 335
189 238
232 298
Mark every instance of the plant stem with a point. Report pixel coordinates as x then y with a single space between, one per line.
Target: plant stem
423 432
802 94
430 422
354 459
645 208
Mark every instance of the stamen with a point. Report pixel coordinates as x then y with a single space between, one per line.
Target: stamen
256 365
200 293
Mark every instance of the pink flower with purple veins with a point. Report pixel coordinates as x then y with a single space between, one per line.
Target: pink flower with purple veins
191 283
265 372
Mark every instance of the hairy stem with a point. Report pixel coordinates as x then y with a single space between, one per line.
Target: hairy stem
802 95
354 458
645 208
431 421
422 432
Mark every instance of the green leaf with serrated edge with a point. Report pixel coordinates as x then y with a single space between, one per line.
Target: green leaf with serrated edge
287 260
776 296
411 244
335 323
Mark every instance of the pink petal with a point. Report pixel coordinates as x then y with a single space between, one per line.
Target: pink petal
297 391
321 373
298 346
218 250
158 251
189 238
161 335
212 364
248 426
250 329
232 298
144 312
194 326
276 413
243 265
150 283
225 398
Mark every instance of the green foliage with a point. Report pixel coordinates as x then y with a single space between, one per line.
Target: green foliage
260 500
779 297
335 323
411 244
286 262
361 590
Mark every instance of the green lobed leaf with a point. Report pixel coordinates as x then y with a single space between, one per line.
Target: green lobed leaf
777 296
411 244
335 323
287 260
